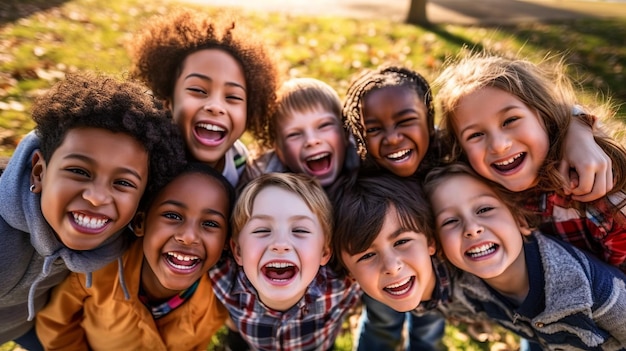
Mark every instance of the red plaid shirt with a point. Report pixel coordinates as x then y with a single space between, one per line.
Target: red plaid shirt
601 230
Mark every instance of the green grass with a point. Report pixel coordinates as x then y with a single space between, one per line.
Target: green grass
41 40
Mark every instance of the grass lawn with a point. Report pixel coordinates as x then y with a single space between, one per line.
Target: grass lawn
41 40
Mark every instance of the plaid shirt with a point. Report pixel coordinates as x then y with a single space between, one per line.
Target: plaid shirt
601 231
312 324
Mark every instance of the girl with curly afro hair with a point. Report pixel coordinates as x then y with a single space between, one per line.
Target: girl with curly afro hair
215 77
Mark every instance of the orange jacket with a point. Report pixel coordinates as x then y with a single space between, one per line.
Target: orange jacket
100 318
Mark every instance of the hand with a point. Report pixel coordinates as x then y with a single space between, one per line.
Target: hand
586 168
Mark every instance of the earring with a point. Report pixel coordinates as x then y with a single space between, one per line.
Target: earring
32 188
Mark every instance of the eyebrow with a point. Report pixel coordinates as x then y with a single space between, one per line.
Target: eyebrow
91 161
395 115
501 111
205 77
180 204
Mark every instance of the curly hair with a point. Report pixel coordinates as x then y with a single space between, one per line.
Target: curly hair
87 100
383 77
159 51
542 87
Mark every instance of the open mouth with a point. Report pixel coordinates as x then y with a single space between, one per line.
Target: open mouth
400 288
210 132
319 163
89 223
279 272
400 155
181 261
482 250
510 164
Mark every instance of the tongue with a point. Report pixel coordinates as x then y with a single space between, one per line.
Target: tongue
319 165
280 273
209 134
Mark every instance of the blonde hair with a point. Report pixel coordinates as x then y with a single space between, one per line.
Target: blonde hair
309 190
303 95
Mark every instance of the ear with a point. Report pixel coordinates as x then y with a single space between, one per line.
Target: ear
326 254
138 224
432 248
167 103
38 171
236 250
524 228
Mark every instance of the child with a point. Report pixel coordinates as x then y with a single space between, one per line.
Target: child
215 78
277 287
541 288
172 306
389 112
306 133
508 119
73 185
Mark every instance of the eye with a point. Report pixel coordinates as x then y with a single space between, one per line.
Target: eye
301 231
366 257
327 125
474 135
211 224
125 183
484 209
401 242
78 171
235 98
293 135
172 215
372 130
407 121
261 231
196 90
510 120
449 221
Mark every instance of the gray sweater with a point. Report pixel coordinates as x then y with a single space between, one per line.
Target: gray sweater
33 259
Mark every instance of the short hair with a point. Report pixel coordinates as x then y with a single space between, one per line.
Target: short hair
306 187
194 167
439 175
361 206
160 49
303 95
89 100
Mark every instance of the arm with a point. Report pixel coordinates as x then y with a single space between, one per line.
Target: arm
58 324
592 175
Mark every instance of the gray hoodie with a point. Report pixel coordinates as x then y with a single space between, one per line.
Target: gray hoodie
32 259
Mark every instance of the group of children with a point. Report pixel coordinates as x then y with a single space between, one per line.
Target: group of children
148 225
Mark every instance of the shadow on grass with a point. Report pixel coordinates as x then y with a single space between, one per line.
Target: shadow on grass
12 10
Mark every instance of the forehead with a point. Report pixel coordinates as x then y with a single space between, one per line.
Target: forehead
195 189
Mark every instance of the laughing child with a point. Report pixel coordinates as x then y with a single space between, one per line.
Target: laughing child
172 306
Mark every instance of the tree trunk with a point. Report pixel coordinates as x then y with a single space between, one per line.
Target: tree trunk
417 13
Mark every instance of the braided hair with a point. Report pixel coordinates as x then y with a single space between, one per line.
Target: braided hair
372 80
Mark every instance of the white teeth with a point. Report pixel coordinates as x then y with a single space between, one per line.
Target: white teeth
319 156
211 127
399 154
392 286
182 257
481 250
89 222
279 265
509 161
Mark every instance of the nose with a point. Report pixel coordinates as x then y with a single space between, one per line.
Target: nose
214 107
186 235
473 230
97 194
280 243
392 137
312 139
391 264
499 143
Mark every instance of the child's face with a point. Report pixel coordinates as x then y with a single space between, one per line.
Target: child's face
313 143
281 247
91 186
396 125
209 104
477 231
504 140
185 232
396 269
